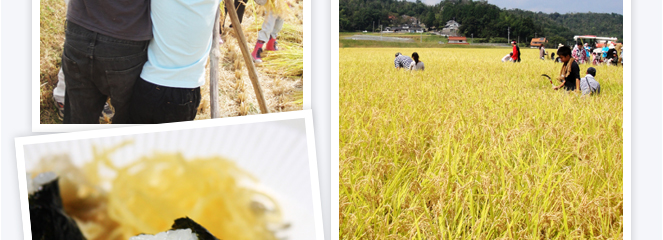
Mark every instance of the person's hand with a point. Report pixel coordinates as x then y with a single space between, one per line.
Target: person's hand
555 87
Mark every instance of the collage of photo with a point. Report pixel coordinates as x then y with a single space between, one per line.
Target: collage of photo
450 119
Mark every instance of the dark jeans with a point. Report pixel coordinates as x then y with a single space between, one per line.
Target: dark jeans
96 67
240 6
152 103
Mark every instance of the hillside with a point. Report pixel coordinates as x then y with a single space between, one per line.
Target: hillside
600 24
481 19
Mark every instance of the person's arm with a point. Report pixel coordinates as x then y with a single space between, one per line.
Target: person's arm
560 86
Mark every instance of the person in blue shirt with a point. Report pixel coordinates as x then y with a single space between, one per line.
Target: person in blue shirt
168 89
604 50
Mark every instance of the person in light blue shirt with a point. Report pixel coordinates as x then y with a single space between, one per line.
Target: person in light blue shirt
169 86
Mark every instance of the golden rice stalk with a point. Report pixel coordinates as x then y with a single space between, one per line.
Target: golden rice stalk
297 98
291 33
239 85
243 109
238 74
241 97
285 62
279 7
279 88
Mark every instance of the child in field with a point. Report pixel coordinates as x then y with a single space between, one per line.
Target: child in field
589 85
268 33
507 58
416 64
569 75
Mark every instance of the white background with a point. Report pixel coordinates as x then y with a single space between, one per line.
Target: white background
646 109
15 96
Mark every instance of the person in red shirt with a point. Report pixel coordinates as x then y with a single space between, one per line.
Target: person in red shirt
516 52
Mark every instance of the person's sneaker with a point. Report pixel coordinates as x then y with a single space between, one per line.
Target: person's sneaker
107 113
271 45
60 107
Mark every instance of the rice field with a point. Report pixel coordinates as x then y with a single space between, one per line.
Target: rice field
473 148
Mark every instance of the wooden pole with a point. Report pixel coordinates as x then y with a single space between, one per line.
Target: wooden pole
247 55
214 57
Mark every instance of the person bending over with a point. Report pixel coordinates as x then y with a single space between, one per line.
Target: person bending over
569 75
416 64
507 58
589 85
402 61
168 89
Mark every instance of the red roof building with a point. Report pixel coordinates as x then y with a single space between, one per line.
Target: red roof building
458 40
538 42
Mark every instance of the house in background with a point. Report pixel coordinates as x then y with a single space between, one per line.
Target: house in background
451 28
458 40
538 42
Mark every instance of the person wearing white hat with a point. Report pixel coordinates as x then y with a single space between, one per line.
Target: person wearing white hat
612 57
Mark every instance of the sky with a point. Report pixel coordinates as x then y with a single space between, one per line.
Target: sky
560 6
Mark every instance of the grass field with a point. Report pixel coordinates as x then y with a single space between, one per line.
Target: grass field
280 75
419 41
473 148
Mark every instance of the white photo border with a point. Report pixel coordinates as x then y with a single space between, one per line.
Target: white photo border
303 114
36 86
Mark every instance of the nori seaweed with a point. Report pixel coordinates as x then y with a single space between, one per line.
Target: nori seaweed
47 217
200 231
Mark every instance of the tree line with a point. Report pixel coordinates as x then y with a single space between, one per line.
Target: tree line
480 19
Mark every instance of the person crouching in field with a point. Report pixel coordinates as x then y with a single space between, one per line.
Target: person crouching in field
569 75
589 85
402 61
168 89
104 50
507 58
416 64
